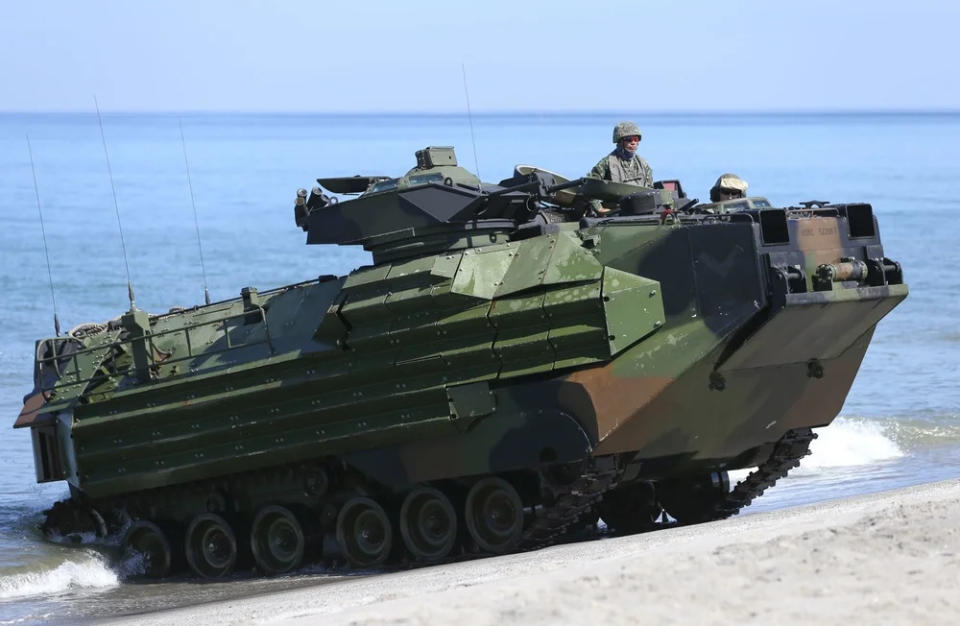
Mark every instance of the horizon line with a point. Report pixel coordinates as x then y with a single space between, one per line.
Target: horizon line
497 113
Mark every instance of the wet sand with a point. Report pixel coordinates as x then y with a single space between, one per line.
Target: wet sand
887 558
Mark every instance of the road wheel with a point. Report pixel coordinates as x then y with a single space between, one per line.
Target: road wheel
428 524
630 508
364 532
494 515
693 499
147 549
277 540
211 546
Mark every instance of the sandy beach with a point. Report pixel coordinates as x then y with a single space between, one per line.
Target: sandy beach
887 558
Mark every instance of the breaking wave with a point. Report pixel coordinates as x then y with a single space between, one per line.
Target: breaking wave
857 441
851 441
92 572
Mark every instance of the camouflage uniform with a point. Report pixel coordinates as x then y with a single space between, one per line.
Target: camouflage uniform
635 171
614 167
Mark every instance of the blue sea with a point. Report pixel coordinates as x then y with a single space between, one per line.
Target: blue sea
899 426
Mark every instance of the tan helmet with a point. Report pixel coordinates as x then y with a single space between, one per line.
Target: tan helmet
731 184
625 129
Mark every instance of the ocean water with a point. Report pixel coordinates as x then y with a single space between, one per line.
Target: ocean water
899 426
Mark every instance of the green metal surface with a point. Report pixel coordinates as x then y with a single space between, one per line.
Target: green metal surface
500 331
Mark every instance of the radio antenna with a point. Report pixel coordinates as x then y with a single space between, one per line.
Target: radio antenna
196 219
116 205
473 140
43 235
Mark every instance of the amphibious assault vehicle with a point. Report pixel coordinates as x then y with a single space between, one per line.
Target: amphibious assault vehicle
521 359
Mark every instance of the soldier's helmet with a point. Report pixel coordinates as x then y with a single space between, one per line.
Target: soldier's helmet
625 129
728 187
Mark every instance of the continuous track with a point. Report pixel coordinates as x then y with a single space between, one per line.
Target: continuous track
787 455
576 500
569 501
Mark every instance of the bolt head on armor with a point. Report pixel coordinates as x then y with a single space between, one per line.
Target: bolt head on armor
625 129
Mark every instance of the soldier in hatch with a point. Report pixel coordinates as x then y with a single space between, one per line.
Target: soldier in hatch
624 165
728 187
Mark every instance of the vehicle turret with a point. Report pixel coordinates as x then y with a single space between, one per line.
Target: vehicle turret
438 205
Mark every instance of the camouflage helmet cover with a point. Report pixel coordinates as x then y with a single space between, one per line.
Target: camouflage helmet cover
729 182
625 129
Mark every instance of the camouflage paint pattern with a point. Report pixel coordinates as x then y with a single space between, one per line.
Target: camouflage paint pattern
636 171
688 343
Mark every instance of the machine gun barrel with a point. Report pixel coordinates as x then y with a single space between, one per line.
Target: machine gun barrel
527 186
566 185
536 185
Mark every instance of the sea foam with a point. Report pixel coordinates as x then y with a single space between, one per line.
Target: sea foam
847 442
90 572
850 441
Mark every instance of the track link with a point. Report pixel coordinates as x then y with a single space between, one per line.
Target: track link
786 455
581 495
573 501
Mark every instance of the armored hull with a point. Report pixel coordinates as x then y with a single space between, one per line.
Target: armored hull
508 370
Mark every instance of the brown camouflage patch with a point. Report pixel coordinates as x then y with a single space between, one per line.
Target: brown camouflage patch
613 400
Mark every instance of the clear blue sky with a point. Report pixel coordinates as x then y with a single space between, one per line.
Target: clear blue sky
541 56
